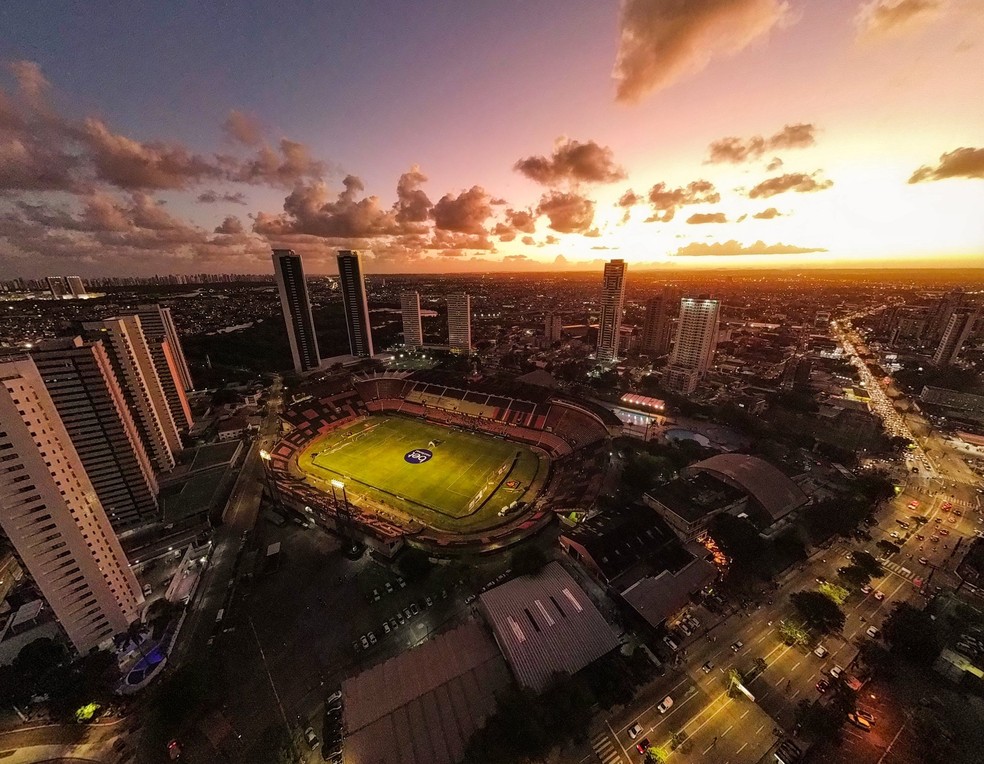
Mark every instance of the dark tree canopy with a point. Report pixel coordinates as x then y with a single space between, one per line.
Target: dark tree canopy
818 611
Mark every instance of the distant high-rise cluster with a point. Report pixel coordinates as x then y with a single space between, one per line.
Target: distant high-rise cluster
87 424
940 329
612 304
696 340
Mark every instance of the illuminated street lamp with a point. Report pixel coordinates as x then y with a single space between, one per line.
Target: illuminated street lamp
340 486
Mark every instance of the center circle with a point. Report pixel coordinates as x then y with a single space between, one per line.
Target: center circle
418 456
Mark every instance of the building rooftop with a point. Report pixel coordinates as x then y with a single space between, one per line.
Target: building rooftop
696 496
546 624
423 706
656 598
768 486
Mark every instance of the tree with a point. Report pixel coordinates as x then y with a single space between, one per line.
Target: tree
836 594
739 540
868 563
887 547
792 634
912 634
855 575
819 611
529 560
818 721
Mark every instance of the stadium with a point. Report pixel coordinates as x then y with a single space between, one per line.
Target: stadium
435 460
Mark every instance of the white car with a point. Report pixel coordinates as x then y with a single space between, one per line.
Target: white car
835 672
671 644
821 651
665 705
635 730
873 632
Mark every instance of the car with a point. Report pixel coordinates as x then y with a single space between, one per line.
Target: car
174 750
938 520
920 537
706 668
860 722
634 731
935 539
952 520
873 632
469 598
429 601
393 623
879 596
365 641
917 582
400 618
946 506
821 651
958 513
821 580
902 523
944 532
668 640
401 582
372 638
684 628
694 622
665 705
835 672
867 715
311 739
407 614
375 595
643 745
924 561
866 589
737 646
823 685
386 627
913 504
147 589
413 608
895 535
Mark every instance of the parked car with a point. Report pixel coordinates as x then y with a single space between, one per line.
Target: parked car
706 668
835 672
311 738
670 643
666 705
684 628
821 651
924 561
867 715
860 722
643 745
737 646
879 596
873 632
866 589
635 730
822 686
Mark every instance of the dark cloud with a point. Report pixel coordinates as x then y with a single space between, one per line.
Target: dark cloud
629 199
293 164
529 241
231 225
567 212
243 128
666 201
732 247
661 41
573 162
551 239
212 197
456 240
877 18
412 204
735 150
464 213
799 182
699 218
767 214
959 163
504 231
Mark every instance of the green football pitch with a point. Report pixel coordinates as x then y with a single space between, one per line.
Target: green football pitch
445 477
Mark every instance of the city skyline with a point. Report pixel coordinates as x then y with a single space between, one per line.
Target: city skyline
752 133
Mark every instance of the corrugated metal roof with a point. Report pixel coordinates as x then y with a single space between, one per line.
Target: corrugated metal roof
656 598
546 624
423 706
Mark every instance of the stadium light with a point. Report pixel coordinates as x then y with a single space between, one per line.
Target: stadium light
265 455
338 483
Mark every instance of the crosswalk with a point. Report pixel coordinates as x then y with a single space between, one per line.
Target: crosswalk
605 749
899 570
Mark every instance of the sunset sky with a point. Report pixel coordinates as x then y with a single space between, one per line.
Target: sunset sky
489 136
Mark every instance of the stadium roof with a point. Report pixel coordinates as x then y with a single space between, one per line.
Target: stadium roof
774 492
546 624
423 706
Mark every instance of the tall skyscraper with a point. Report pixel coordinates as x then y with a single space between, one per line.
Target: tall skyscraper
413 327
354 302
169 361
610 318
133 364
82 385
459 322
940 314
958 329
553 326
294 300
51 515
657 324
57 286
75 286
696 340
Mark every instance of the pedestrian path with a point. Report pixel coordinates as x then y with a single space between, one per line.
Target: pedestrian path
605 749
899 570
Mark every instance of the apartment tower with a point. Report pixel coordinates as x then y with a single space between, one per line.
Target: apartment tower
76 287
459 322
136 373
289 273
54 521
161 336
696 340
83 388
413 327
57 286
612 304
354 302
958 330
553 326
657 324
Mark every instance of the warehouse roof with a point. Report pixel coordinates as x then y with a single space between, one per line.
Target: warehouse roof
774 492
546 624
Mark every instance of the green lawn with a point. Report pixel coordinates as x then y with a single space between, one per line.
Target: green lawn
465 480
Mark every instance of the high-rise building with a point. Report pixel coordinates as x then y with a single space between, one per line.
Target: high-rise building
459 322
54 521
296 304
610 318
165 348
940 314
354 302
553 326
958 329
76 287
657 324
413 327
57 286
696 340
133 364
83 387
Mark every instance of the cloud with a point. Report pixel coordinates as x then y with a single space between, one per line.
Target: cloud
412 204
735 150
567 212
732 247
573 162
666 201
231 225
517 221
464 213
661 41
504 231
31 81
799 182
775 164
514 258
29 165
878 18
959 163
454 240
707 217
529 241
242 128
212 197
291 165
767 214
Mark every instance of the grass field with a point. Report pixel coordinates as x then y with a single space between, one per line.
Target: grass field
463 484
